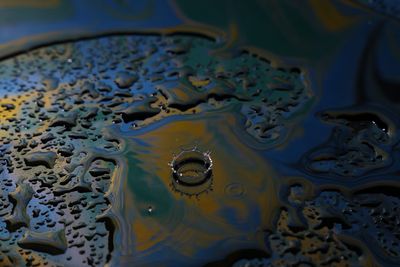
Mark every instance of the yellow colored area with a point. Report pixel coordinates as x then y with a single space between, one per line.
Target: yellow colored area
17 101
198 82
331 18
206 216
145 235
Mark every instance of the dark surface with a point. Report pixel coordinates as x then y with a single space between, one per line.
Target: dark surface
147 133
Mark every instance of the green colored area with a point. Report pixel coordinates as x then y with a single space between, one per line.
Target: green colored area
293 29
47 11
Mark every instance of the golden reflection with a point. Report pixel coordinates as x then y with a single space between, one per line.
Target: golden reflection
176 220
331 18
9 113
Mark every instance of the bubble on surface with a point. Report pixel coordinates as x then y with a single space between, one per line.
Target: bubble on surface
192 172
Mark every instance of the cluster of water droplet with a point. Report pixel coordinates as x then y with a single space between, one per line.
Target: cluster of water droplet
388 7
361 142
57 103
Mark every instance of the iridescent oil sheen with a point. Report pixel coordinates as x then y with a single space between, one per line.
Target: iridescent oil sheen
260 133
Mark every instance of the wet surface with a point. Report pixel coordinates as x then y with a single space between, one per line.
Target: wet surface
202 146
